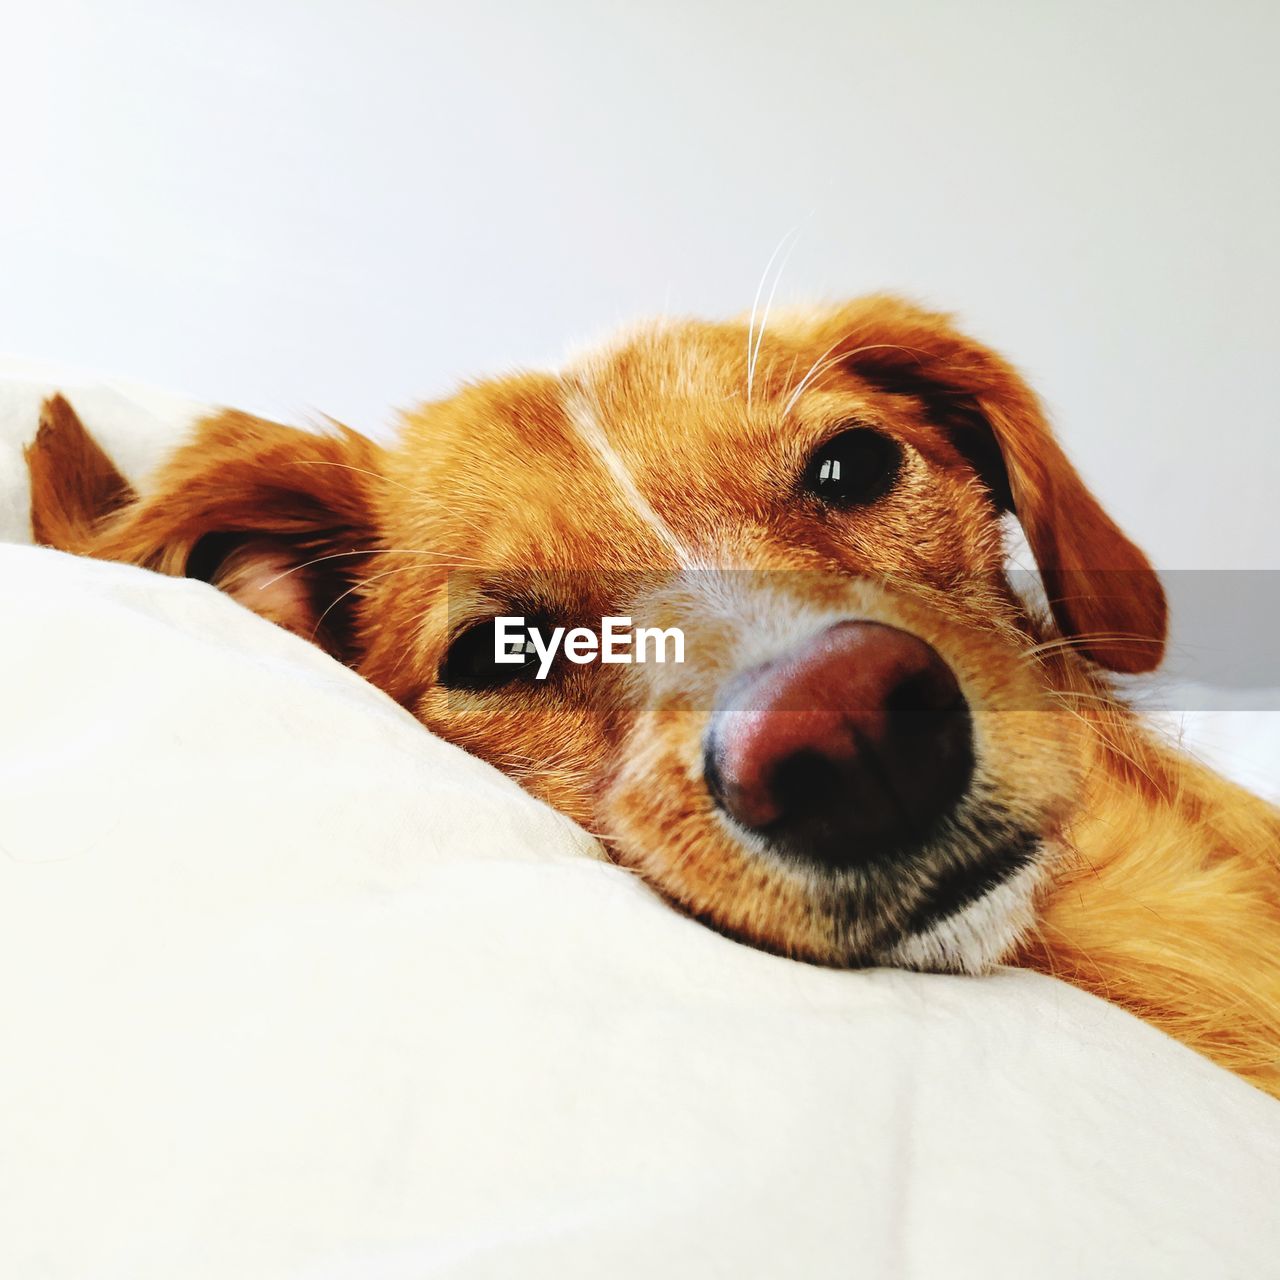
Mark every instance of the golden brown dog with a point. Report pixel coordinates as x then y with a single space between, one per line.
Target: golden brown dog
875 750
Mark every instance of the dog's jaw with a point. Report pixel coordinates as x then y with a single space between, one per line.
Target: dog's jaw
982 934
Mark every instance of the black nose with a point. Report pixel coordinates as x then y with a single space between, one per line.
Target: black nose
848 748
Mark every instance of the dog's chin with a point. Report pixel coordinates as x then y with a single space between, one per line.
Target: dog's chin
978 936
950 908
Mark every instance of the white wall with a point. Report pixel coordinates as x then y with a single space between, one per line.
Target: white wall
295 205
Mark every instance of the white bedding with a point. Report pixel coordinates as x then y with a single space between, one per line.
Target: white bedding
294 989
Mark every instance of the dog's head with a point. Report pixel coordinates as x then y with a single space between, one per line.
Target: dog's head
862 756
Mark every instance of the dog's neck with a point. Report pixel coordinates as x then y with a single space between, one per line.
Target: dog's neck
1166 899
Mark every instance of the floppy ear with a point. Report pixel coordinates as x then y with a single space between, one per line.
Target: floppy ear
74 484
1101 588
278 518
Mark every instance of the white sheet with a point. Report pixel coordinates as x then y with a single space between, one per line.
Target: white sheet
296 990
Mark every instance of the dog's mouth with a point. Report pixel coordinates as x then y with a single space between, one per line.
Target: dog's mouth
975 912
956 903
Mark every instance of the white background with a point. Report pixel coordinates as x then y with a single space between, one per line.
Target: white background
298 206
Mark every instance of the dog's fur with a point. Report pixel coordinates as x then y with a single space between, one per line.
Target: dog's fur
658 476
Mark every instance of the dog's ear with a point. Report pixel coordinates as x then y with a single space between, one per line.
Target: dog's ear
280 519
74 485
1101 587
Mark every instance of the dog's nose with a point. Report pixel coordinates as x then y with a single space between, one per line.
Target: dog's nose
849 747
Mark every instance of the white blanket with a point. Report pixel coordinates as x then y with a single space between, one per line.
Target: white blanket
294 989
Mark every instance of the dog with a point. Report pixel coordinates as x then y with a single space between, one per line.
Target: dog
877 751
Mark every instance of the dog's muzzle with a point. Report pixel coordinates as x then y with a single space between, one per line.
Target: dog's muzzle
848 749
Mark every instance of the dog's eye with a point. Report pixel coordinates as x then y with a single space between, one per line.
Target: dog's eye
853 468
471 662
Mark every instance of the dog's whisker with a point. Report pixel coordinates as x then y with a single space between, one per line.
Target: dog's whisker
369 552
816 371
1077 695
754 354
1059 643
791 371
808 377
364 582
1107 735
753 341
